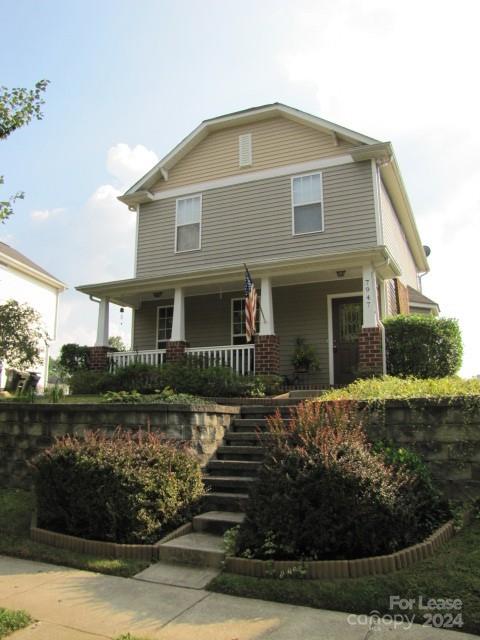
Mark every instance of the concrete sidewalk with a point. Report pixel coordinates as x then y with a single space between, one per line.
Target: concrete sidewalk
78 605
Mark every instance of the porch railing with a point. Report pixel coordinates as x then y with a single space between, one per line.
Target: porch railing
239 357
120 359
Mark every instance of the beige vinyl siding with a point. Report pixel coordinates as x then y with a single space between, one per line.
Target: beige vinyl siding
299 311
275 142
394 238
253 221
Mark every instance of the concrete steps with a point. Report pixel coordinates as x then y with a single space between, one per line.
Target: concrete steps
199 549
240 453
234 467
226 501
217 522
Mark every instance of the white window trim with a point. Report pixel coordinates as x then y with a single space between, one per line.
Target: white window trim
239 335
189 197
304 175
160 306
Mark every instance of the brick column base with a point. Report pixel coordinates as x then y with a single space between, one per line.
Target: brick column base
175 350
370 352
97 358
267 354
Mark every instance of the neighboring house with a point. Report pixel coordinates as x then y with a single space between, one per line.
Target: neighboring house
24 281
318 213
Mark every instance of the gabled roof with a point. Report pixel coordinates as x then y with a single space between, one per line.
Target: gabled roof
418 298
13 258
237 118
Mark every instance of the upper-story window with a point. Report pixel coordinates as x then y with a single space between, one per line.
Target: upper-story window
307 202
188 223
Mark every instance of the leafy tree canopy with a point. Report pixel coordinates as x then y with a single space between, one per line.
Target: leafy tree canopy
22 335
117 343
18 107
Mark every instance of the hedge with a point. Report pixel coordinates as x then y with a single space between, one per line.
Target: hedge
129 488
423 346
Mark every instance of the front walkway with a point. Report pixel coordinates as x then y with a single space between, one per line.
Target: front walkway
77 605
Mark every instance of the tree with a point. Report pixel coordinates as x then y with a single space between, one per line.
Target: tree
18 107
56 373
117 343
22 335
73 357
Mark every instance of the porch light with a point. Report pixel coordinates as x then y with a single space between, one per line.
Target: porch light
340 274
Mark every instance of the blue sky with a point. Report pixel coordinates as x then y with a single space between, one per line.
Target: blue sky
129 79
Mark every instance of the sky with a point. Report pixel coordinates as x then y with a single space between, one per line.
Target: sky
130 78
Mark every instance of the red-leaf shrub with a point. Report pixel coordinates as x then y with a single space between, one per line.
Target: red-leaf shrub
322 493
127 488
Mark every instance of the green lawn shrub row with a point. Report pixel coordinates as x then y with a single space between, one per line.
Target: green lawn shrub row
129 488
183 377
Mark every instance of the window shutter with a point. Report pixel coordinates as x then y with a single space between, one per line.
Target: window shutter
245 149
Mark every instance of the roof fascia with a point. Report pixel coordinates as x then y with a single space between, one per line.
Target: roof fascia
34 273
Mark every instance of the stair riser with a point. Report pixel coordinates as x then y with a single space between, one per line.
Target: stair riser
258 457
215 503
217 527
229 486
232 468
195 557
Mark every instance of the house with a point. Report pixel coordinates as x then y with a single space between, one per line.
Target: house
318 212
24 281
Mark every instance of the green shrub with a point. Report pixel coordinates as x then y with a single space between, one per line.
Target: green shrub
423 346
182 377
129 488
322 493
391 388
124 397
87 382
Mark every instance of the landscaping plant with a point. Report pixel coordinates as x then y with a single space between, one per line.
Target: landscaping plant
128 488
323 493
423 346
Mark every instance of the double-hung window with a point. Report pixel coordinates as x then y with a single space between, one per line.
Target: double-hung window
238 320
164 325
307 201
188 223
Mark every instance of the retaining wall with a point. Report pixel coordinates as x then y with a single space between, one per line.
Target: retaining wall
26 429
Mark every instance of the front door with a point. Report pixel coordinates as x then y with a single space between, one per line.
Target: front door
347 319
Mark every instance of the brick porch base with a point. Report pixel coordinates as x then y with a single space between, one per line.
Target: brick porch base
175 350
267 354
97 358
370 352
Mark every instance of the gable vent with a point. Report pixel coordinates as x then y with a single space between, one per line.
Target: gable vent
245 150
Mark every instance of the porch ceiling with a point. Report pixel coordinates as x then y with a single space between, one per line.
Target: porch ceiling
319 268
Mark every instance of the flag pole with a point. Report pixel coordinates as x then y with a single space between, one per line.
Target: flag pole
259 304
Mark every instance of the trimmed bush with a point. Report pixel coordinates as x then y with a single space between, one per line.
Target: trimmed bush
182 377
125 488
322 493
423 346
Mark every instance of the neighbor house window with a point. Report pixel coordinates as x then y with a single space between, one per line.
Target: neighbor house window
189 216
164 325
238 320
307 203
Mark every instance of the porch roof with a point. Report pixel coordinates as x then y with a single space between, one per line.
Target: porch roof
283 271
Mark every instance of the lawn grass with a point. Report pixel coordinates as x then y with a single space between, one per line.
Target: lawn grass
454 572
11 621
15 512
392 388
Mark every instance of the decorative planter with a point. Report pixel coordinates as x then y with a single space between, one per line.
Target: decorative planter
358 568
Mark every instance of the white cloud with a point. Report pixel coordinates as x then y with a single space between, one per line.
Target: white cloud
129 164
41 215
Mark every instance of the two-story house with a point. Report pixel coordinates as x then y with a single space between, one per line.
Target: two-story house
319 214
26 282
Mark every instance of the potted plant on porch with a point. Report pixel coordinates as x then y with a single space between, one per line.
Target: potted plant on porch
305 358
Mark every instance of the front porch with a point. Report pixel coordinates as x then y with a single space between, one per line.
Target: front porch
337 311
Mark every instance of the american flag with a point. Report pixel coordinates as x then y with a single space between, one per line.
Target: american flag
250 294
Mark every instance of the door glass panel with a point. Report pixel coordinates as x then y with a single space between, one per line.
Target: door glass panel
350 321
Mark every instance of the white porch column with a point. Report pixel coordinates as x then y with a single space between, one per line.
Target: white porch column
103 319
178 322
267 326
370 298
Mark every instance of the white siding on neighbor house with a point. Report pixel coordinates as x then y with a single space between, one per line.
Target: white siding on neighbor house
299 311
395 240
15 285
275 142
253 221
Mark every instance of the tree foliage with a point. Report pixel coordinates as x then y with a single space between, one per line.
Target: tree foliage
117 343
73 357
22 334
18 107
